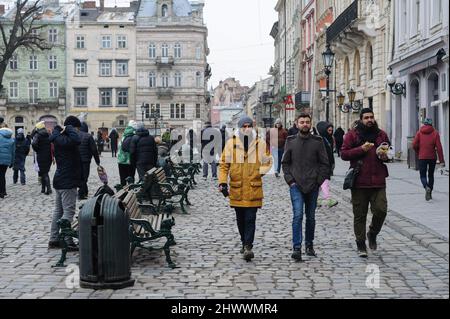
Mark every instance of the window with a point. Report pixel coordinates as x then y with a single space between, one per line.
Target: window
105 97
177 50
164 10
198 52
152 51
165 50
357 68
122 97
80 42
19 119
80 97
198 78
152 80
33 62
197 111
53 89
165 80
369 61
105 67
122 41
177 111
13 62
106 42
122 68
33 92
404 20
52 65
177 79
347 74
437 12
13 90
52 35
80 68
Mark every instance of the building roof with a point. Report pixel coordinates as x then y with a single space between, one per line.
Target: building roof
181 8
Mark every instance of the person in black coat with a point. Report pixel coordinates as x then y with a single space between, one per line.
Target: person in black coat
67 176
44 155
22 150
114 138
339 139
143 151
293 130
87 150
100 142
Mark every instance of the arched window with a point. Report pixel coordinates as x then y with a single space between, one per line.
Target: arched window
357 68
177 50
165 50
152 79
152 51
347 74
198 77
164 10
369 61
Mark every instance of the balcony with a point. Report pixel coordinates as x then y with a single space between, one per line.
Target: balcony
165 62
361 20
164 93
50 102
302 99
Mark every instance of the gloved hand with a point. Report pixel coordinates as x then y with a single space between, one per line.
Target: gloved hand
223 188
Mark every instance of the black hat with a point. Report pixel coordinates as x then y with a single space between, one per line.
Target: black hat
364 111
72 120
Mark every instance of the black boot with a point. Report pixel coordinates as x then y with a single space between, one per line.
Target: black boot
362 249
248 253
48 185
310 251
297 254
372 240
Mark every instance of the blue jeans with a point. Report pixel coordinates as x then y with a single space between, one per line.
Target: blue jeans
427 166
303 203
246 221
277 157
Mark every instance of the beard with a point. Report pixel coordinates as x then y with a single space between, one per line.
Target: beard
368 133
305 131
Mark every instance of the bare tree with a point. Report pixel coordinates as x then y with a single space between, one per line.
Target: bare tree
20 32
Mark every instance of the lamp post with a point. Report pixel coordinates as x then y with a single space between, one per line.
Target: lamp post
328 60
396 88
155 115
142 111
351 98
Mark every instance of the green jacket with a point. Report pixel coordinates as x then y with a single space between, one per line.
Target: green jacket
122 156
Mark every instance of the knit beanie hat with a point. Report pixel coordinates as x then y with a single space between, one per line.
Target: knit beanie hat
133 124
245 120
428 122
72 120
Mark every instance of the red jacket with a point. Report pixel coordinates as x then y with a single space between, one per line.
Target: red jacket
373 172
276 137
427 142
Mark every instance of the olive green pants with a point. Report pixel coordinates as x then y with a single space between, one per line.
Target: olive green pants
361 198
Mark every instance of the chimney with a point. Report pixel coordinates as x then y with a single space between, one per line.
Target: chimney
2 9
89 5
102 5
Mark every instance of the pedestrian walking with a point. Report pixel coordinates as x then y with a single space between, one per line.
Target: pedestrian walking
87 149
208 140
143 151
126 169
100 142
243 163
293 131
68 176
7 154
22 149
113 139
44 156
339 139
305 166
427 145
276 139
364 148
325 130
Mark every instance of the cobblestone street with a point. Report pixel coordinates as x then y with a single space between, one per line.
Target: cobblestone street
207 253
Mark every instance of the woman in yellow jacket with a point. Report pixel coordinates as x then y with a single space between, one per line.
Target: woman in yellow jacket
243 163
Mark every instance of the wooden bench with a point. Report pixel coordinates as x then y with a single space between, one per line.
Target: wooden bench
142 229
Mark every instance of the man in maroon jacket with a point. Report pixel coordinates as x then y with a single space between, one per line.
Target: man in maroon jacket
363 148
426 143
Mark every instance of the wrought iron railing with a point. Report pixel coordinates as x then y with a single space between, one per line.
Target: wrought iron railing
344 20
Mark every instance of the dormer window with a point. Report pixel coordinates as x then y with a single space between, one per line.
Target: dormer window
164 11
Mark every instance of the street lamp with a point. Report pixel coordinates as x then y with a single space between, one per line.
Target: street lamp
346 108
144 108
328 60
155 115
396 88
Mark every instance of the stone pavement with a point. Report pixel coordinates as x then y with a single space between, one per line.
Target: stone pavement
208 254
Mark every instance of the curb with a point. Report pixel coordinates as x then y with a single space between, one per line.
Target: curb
411 229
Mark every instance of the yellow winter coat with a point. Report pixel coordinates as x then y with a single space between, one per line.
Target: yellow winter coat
244 171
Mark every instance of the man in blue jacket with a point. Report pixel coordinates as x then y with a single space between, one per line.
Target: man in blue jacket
67 176
7 150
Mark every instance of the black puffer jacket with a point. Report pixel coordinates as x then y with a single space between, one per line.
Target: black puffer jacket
87 148
67 155
143 150
43 148
22 150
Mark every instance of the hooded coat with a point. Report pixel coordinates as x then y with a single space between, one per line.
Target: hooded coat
7 147
114 138
143 149
123 156
22 150
43 148
322 128
427 143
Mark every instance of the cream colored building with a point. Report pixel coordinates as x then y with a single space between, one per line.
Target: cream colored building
101 64
172 69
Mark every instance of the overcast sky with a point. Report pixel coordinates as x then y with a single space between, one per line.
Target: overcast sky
238 38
